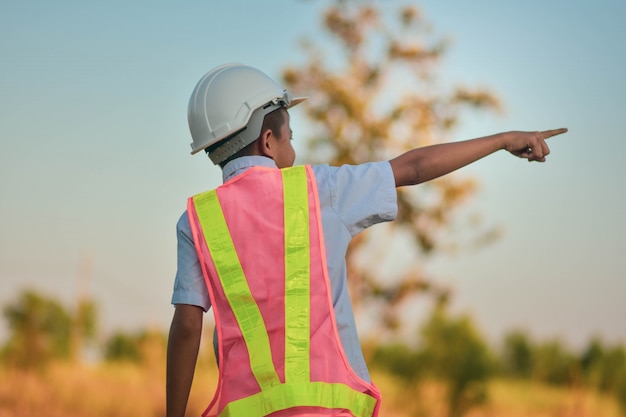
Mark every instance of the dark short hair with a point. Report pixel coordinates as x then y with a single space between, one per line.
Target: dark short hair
272 121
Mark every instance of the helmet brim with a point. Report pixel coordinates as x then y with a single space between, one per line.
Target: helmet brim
296 101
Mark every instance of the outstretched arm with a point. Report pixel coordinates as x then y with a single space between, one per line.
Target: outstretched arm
424 164
182 353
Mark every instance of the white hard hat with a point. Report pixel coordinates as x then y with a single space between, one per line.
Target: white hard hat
230 102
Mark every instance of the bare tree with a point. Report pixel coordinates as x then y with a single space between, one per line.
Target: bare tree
373 94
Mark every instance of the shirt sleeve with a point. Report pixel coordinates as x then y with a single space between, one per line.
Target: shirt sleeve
363 195
189 285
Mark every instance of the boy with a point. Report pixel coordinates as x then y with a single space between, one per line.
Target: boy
267 251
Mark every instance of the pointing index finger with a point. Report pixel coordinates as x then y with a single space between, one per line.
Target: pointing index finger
549 133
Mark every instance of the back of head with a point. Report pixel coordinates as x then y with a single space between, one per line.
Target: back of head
227 107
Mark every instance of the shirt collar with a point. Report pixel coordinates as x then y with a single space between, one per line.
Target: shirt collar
240 165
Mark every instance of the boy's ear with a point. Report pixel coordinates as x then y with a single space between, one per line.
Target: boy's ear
265 145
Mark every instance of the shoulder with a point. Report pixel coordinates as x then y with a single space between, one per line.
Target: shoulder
183 227
360 195
381 167
183 221
369 175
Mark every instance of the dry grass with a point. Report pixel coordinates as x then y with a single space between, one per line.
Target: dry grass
120 390
525 398
64 390
507 398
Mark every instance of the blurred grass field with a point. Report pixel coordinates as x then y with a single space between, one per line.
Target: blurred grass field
48 367
128 389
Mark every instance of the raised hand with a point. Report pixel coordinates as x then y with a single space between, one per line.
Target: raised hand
530 145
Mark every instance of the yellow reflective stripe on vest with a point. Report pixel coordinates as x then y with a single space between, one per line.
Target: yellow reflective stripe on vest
312 394
297 276
236 287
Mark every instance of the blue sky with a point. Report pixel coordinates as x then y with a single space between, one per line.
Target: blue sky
95 165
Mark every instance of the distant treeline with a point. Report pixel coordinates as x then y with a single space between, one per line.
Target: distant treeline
450 350
41 330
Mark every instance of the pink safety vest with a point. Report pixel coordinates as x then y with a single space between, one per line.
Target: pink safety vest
260 242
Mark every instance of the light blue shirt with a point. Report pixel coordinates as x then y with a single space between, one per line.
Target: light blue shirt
352 198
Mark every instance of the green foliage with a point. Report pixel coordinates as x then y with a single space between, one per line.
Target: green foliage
612 368
139 347
452 351
553 364
122 347
597 366
40 330
455 352
621 392
399 360
548 362
517 355
604 368
592 356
